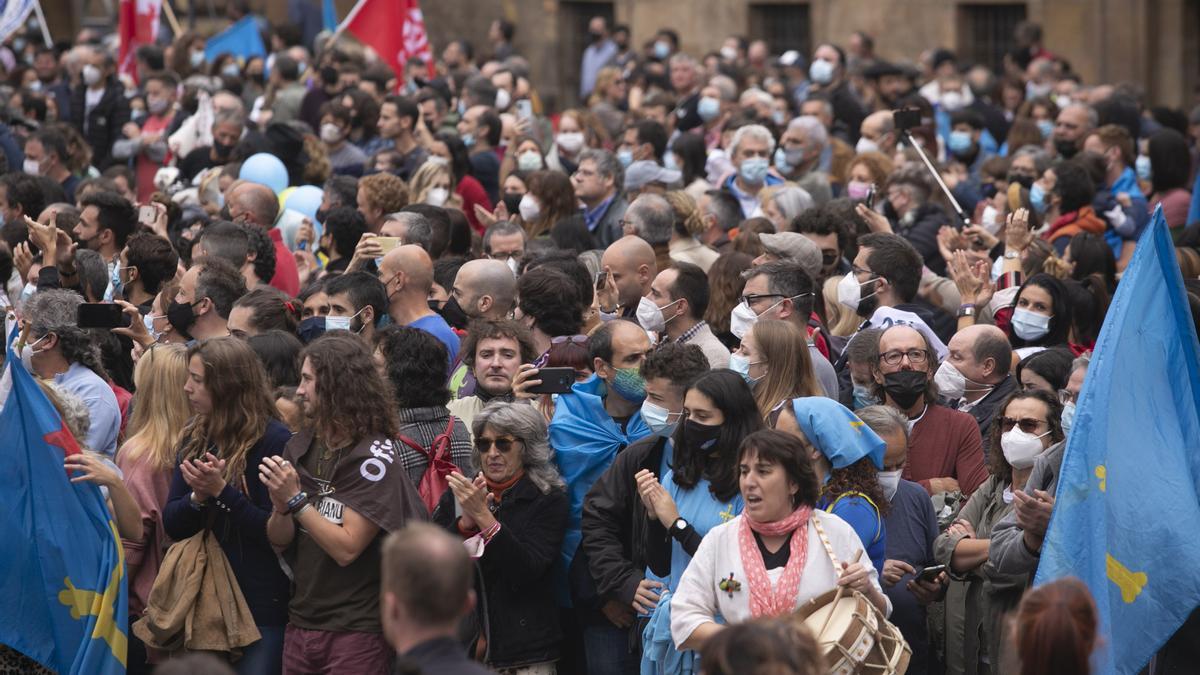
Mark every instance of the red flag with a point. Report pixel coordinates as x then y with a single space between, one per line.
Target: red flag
137 23
395 29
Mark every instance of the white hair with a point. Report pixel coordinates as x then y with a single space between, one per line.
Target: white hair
755 131
792 200
755 96
812 129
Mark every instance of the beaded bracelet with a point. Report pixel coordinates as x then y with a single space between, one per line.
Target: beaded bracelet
296 502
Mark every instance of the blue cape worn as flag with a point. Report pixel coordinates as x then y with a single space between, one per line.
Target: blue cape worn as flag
62 576
585 441
242 39
1128 503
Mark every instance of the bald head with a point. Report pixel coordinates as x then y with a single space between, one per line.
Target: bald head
407 270
981 353
253 204
485 288
631 262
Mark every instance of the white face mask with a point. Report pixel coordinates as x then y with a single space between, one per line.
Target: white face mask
865 144
952 384
849 290
91 75
513 264
651 315
503 99
890 482
1021 448
1068 417
31 167
742 318
437 196
529 208
331 133
530 160
27 354
571 141
1030 325
990 219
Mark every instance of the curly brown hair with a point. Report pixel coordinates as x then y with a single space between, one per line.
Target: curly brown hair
241 405
385 192
997 464
725 284
858 478
353 401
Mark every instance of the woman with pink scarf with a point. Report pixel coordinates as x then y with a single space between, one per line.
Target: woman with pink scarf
772 558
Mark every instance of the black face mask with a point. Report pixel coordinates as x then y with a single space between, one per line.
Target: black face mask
1067 149
181 316
905 386
321 214
222 149
512 203
596 36
699 437
311 328
454 315
1024 180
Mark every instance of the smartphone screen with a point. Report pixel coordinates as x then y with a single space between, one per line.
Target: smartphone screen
146 214
601 280
386 244
101 315
554 381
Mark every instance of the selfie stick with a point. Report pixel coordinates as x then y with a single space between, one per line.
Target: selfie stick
937 177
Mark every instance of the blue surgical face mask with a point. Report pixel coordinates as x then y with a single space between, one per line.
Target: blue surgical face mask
1037 198
669 162
662 50
625 157
1142 165
863 396
468 139
821 71
708 108
753 171
662 422
1068 417
741 365
148 321
959 142
1029 325
1046 127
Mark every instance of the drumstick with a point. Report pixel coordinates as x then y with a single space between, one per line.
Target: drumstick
836 597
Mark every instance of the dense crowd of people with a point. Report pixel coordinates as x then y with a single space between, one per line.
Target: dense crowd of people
658 369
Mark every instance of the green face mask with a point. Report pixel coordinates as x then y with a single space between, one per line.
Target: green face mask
629 385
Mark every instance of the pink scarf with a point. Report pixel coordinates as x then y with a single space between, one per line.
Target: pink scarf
763 600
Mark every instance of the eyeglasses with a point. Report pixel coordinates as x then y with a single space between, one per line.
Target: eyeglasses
749 300
573 339
1027 424
915 357
504 444
1065 396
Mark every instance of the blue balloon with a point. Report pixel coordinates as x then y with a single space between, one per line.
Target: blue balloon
265 169
305 199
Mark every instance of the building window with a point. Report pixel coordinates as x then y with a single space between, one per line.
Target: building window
986 32
783 27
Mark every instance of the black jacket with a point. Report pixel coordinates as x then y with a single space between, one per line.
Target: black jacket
922 232
615 525
984 412
103 125
520 616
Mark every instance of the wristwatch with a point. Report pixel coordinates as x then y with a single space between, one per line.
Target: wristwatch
678 528
1011 254
966 310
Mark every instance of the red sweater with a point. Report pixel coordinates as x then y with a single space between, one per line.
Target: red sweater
287 277
946 443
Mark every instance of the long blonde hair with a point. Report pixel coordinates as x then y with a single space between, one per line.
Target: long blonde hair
160 409
422 179
840 320
789 368
241 405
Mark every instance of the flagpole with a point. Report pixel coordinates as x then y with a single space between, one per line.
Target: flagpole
171 19
37 7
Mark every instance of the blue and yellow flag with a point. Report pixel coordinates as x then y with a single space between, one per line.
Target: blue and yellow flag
1126 514
62 575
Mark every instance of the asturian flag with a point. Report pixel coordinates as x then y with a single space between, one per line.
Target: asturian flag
138 22
395 29
12 16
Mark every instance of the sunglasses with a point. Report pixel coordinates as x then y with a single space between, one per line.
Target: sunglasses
1027 424
573 339
504 444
